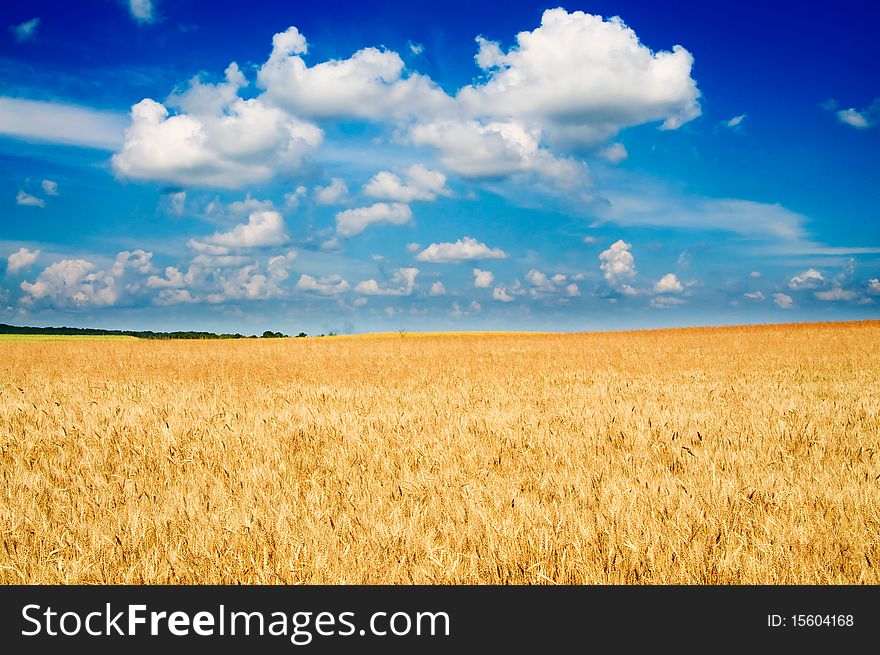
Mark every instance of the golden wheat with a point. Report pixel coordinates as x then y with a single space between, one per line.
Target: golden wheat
734 455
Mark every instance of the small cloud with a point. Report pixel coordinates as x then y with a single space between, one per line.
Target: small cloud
836 294
874 286
784 301
754 295
734 122
413 247
331 245
292 199
755 274
483 279
663 302
860 119
354 221
465 249
615 153
508 293
143 11
263 228
50 187
28 200
25 31
421 184
403 282
572 290
473 308
668 284
334 193
618 267
416 48
177 202
327 285
22 259
853 118
437 289
590 240
809 279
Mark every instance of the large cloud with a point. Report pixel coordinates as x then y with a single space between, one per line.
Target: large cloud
370 84
584 78
217 139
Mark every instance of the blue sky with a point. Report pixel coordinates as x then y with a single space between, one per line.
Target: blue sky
383 166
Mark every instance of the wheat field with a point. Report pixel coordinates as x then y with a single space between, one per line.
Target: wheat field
703 456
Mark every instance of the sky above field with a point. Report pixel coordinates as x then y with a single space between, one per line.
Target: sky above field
353 167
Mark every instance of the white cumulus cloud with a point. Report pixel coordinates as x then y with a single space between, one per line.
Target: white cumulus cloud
584 78
483 279
20 260
354 221
78 283
217 139
809 279
372 83
465 249
496 149
263 228
618 266
421 184
668 284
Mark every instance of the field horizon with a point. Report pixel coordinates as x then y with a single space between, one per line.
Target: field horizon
429 333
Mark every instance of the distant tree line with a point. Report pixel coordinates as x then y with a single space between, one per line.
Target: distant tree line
140 334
